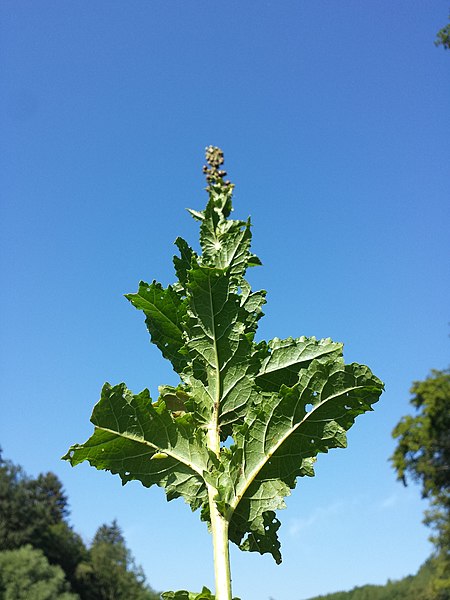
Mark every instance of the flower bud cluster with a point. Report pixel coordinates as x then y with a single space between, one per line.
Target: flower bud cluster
214 158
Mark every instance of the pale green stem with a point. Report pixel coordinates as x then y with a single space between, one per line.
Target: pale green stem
219 530
219 524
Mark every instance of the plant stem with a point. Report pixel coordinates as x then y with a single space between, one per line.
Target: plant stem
219 530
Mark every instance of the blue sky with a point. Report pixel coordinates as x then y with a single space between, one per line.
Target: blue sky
334 120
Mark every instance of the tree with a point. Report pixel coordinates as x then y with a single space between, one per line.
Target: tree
16 513
25 574
423 454
114 573
64 547
35 511
29 507
443 37
49 497
112 535
33 515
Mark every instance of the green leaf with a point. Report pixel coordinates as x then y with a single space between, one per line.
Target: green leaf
183 263
165 311
287 357
140 440
280 439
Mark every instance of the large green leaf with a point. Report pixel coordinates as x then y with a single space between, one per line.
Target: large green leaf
282 435
140 440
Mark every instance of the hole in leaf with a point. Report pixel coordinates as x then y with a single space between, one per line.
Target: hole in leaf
127 473
315 394
308 407
347 407
228 442
71 453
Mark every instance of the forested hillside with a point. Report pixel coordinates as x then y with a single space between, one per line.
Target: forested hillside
42 558
417 587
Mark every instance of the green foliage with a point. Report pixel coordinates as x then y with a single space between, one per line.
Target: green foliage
25 574
418 587
423 450
114 574
34 512
248 418
443 37
20 518
66 548
423 454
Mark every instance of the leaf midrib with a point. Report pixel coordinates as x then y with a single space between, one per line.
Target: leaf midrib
167 451
216 405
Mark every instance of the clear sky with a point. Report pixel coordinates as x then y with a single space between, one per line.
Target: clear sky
334 118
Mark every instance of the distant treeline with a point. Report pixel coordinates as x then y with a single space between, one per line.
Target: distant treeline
413 587
42 558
